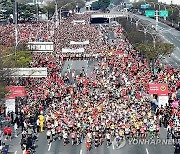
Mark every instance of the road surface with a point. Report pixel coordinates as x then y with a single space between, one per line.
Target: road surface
168 33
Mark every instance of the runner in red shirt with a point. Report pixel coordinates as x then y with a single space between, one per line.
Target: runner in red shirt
9 132
5 132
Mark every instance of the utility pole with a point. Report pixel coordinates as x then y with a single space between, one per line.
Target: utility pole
37 11
16 25
157 19
56 12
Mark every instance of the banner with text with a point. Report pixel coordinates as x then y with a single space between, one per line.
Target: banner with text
36 72
67 50
79 21
15 91
159 89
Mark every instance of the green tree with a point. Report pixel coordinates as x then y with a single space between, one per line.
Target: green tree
72 4
9 60
7 6
137 5
26 11
95 5
3 81
152 53
49 9
104 4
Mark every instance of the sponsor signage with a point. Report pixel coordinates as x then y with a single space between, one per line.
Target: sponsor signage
15 91
41 46
159 89
37 72
68 50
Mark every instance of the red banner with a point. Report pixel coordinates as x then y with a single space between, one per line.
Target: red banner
16 91
159 89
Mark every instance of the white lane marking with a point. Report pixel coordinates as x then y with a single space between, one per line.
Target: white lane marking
15 152
49 147
113 145
81 151
147 151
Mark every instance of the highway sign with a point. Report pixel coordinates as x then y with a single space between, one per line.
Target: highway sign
163 13
145 6
150 13
111 4
129 5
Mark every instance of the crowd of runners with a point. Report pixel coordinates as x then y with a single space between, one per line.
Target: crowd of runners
110 104
27 32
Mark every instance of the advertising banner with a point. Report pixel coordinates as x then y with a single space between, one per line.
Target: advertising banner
79 21
41 46
159 89
68 50
35 72
15 91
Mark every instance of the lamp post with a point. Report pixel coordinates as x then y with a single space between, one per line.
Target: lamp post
56 13
37 11
16 26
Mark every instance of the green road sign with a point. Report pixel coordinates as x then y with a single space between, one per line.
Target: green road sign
111 4
150 13
163 13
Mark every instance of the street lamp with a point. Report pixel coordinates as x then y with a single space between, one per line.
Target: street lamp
56 13
16 26
37 11
137 21
153 35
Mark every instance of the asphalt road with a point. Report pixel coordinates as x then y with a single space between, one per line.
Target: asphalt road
166 32
170 35
57 146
